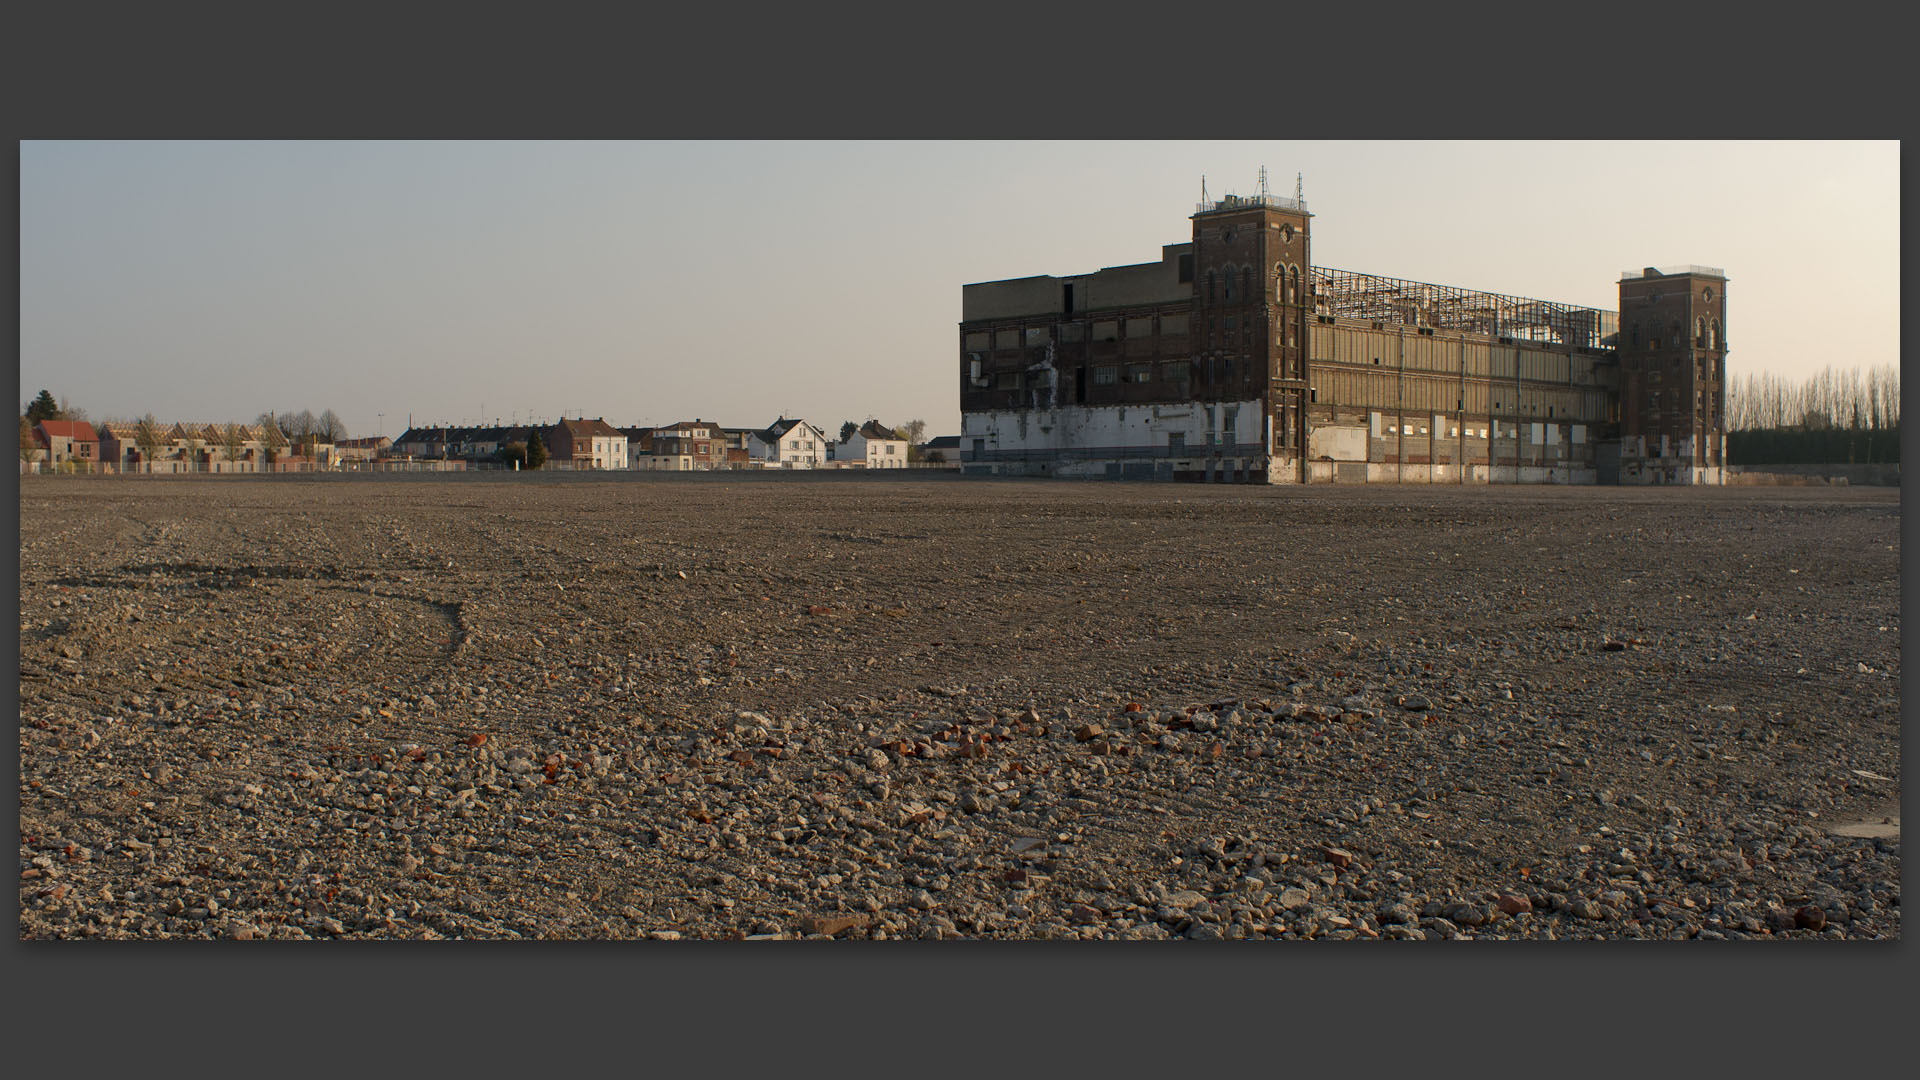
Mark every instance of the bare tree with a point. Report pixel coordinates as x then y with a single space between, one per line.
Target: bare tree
330 427
148 435
272 438
1855 398
233 442
910 432
29 446
300 430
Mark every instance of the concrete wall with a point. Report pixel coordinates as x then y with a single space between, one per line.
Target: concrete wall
1007 299
1336 443
1135 285
1121 286
1118 441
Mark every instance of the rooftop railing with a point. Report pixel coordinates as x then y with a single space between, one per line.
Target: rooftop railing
1241 202
1669 271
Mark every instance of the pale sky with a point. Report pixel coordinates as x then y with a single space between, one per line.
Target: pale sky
739 281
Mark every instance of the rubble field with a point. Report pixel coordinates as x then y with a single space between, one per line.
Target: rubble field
925 707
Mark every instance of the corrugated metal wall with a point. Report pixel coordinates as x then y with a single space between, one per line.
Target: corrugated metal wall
1356 366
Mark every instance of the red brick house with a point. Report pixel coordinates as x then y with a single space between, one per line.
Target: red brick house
690 445
585 444
68 440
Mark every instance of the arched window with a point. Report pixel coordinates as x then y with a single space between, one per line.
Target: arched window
1293 284
1700 334
1636 335
1715 336
1212 280
1246 283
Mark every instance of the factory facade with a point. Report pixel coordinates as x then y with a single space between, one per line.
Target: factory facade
1234 359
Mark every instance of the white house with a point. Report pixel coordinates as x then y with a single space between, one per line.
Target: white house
872 447
788 444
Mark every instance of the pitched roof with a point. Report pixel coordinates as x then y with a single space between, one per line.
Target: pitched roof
779 429
696 428
873 429
582 428
77 430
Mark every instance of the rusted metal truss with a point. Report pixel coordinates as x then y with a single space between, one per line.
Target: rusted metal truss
1346 294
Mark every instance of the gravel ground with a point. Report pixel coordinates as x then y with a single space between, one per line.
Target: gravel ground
866 707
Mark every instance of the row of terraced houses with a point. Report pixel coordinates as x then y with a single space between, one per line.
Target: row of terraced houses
687 446
572 444
113 447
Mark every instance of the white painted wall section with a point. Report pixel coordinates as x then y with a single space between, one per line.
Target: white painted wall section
1087 430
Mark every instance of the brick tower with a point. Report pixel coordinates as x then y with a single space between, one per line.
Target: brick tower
1673 349
1250 301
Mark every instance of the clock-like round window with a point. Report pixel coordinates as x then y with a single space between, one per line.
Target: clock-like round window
1707 294
1226 236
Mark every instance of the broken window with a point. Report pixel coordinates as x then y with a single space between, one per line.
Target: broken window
1139 373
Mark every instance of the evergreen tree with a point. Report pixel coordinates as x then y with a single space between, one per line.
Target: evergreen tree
536 451
43 408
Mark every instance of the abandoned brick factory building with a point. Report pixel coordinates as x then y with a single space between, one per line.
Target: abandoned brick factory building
1235 359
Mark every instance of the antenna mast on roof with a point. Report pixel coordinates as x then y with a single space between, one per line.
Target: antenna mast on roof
1299 181
1263 183
1203 187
